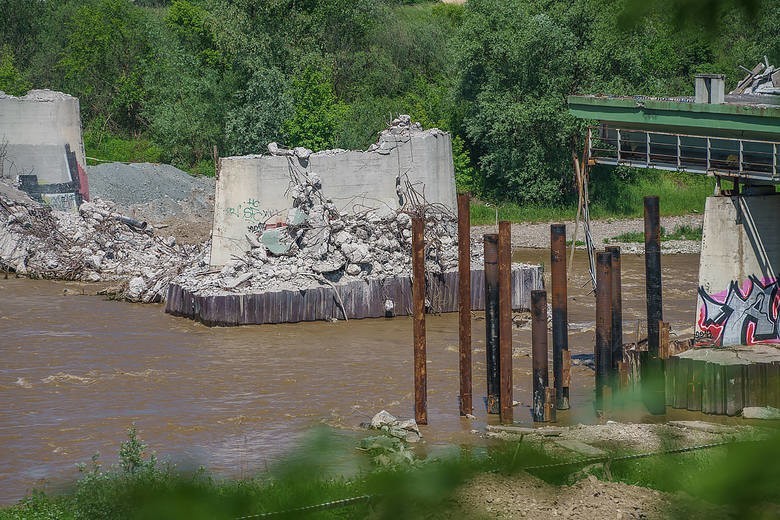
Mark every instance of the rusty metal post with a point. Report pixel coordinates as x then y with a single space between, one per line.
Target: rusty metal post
539 354
603 352
560 321
464 304
492 331
617 314
505 319
418 294
652 370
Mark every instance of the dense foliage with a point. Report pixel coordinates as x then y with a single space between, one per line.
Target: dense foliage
187 75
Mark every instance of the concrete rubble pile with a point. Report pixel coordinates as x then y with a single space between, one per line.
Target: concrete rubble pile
764 79
399 131
312 245
320 245
95 245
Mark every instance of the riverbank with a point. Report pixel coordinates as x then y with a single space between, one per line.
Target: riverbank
683 470
536 235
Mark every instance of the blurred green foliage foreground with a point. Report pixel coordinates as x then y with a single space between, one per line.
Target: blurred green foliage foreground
387 480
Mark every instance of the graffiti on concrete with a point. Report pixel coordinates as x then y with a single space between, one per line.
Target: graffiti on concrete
61 201
741 315
250 211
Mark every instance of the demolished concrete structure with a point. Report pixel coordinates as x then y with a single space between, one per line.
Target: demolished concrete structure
763 80
41 148
256 191
328 235
94 245
315 259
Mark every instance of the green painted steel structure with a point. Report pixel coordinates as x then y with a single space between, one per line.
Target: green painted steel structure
683 116
737 139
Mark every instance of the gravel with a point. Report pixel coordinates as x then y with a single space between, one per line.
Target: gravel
157 193
537 235
140 183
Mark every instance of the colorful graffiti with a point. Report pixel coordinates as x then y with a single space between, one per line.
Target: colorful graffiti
741 315
250 211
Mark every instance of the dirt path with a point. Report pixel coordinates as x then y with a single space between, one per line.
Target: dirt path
525 496
537 235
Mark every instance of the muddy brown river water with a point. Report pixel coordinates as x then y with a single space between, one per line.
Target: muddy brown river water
78 370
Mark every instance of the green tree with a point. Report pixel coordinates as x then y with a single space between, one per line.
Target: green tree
516 68
258 113
11 80
102 60
20 26
317 112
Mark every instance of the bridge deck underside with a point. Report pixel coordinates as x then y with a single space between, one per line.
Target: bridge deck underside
719 156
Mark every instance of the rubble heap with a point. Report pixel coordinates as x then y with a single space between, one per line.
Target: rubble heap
764 79
313 244
95 245
319 245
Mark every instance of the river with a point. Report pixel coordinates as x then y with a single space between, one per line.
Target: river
78 370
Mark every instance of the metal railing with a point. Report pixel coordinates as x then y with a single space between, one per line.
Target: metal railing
720 156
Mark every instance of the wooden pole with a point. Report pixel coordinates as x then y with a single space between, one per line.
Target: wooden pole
652 369
539 361
505 319
464 304
418 293
617 314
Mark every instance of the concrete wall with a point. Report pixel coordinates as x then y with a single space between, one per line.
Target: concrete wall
738 297
34 132
251 190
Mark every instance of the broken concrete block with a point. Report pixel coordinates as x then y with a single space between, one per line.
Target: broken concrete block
135 288
253 241
301 153
296 217
232 283
383 418
357 253
329 265
761 412
275 149
277 241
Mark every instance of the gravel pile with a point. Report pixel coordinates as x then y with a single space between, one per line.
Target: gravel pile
129 184
160 194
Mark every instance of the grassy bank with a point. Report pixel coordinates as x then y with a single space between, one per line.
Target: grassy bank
386 480
612 195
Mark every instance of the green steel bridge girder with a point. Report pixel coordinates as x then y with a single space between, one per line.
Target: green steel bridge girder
735 120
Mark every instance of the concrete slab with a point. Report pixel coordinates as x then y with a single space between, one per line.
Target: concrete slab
580 447
702 426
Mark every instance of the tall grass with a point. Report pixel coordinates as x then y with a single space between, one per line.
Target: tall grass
741 477
613 194
109 147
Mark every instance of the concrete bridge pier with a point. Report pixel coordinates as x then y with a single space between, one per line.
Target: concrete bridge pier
738 298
